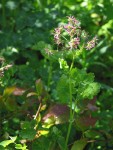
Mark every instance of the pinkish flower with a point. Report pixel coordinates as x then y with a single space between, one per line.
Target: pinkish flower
57 39
91 44
57 33
72 20
74 43
71 30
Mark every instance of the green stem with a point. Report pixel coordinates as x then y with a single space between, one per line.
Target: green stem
50 76
75 100
84 63
64 37
72 63
84 58
71 111
71 114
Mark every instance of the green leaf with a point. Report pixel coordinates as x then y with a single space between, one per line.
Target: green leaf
11 104
63 89
7 142
61 142
20 146
28 134
2 148
27 124
81 76
63 64
90 90
39 87
79 145
92 134
28 131
8 91
49 122
39 46
42 143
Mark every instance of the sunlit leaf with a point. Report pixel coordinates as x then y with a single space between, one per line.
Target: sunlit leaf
20 146
32 94
7 142
8 91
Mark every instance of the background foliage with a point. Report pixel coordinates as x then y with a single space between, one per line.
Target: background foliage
25 30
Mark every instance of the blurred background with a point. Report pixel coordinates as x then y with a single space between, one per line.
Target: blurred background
24 23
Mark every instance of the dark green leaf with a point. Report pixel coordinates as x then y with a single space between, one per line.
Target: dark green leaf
79 145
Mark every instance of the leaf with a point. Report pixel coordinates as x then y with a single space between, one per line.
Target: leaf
84 122
92 134
20 146
63 89
13 138
2 105
39 46
57 114
11 104
18 91
79 145
39 87
32 94
27 124
28 134
84 83
107 87
28 131
50 121
99 64
42 143
63 64
8 91
81 76
43 132
61 142
91 90
7 142
2 148
104 49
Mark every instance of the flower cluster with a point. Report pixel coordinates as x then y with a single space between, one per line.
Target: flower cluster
74 43
72 20
71 30
91 44
57 34
71 36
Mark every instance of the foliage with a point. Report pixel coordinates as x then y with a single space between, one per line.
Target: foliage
56 79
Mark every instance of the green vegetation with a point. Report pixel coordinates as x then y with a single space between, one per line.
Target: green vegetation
56 75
